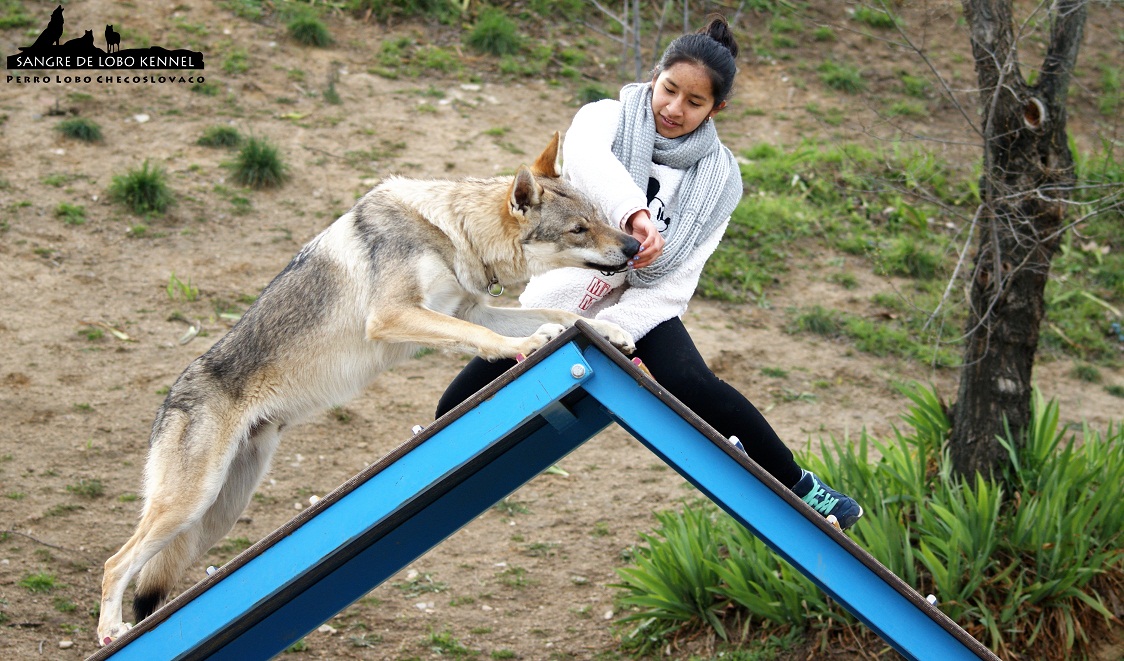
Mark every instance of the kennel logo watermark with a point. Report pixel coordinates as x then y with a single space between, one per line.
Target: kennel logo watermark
51 52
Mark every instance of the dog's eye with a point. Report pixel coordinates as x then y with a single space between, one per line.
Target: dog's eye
579 229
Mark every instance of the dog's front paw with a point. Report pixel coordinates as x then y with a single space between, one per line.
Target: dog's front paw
544 334
617 336
112 633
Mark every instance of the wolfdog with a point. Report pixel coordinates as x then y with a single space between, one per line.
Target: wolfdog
409 266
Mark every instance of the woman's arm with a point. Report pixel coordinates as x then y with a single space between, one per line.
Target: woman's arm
589 164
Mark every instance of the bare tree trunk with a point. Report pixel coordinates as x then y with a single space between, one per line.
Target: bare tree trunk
638 58
1027 178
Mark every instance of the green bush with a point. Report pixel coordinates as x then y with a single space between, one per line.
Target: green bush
144 191
442 11
310 31
259 165
220 136
1026 563
80 128
592 92
71 214
494 33
874 17
843 77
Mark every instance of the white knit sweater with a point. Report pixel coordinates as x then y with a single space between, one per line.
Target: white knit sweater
589 164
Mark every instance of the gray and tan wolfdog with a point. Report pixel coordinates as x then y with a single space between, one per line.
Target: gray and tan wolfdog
409 266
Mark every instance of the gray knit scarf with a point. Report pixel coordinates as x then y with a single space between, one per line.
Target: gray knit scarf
708 193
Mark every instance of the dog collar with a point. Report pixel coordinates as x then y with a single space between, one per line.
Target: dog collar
495 289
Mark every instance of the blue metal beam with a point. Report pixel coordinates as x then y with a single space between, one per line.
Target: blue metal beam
869 591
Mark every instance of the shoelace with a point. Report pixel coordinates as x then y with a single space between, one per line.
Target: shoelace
820 499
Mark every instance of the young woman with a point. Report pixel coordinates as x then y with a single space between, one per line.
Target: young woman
655 165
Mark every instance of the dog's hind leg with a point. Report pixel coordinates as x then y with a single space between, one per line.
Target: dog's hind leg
186 470
158 577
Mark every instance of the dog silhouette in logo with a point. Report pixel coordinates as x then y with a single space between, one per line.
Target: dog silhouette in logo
84 42
111 39
50 35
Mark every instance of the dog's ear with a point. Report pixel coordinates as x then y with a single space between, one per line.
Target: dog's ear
547 163
525 192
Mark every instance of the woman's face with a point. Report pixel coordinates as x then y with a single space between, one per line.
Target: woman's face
682 99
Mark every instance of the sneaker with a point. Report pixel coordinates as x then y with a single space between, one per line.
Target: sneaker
827 501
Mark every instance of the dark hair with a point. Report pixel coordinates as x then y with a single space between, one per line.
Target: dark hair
712 47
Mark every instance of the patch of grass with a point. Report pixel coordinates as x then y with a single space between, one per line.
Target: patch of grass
913 109
875 17
442 11
233 546
841 76
71 214
494 33
1086 373
421 584
206 89
823 34
818 321
259 165
913 85
92 333
236 61
510 508
782 24
434 58
220 136
58 180
143 191
593 92
40 583
444 644
181 290
80 128
908 257
845 280
330 95
13 15
87 488
1112 92
310 31
513 577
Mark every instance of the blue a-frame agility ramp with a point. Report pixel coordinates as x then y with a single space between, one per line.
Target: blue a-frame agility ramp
384 518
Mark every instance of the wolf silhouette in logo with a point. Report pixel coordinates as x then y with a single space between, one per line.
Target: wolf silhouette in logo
83 42
50 35
112 39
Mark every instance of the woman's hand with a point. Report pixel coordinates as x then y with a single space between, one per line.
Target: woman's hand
641 228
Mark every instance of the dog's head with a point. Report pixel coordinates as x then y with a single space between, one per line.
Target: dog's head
560 226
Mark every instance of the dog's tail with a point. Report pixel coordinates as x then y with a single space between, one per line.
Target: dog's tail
158 577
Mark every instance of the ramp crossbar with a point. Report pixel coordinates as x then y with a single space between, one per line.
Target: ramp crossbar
384 518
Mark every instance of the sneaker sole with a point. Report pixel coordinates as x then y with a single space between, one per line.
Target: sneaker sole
831 518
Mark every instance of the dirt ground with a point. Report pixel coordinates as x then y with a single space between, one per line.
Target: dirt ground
530 578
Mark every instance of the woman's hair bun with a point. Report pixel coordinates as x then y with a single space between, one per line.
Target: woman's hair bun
719 30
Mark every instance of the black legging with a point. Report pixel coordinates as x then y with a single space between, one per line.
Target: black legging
670 355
